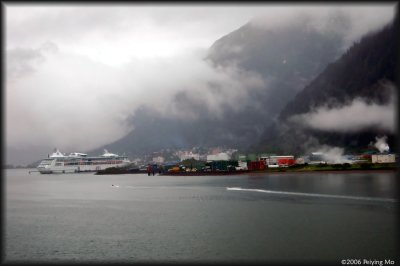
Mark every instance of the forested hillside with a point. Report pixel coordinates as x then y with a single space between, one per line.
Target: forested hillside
365 76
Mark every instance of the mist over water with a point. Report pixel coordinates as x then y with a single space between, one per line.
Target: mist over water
248 218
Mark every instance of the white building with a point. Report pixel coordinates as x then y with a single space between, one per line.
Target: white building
383 158
222 156
189 155
300 160
158 159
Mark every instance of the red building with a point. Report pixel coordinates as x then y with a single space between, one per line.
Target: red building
278 161
257 165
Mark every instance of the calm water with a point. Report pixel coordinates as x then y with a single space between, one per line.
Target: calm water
263 218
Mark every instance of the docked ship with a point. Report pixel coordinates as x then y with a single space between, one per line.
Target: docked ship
77 162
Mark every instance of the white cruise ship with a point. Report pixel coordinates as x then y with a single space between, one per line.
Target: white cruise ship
80 162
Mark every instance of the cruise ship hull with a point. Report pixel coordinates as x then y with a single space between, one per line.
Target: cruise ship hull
59 163
78 169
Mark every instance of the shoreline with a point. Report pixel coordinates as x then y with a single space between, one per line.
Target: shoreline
339 171
327 171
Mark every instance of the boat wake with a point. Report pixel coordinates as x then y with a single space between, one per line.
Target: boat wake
312 194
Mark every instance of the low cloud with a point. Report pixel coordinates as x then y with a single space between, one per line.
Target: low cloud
59 99
65 100
352 21
156 84
356 116
22 62
74 84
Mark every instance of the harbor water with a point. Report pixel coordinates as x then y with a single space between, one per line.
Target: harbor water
300 218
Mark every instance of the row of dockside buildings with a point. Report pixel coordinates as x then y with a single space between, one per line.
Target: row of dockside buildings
315 158
226 161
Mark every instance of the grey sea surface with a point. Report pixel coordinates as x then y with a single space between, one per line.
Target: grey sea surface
314 217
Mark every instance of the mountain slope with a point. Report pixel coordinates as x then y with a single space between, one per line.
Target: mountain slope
355 74
286 59
366 73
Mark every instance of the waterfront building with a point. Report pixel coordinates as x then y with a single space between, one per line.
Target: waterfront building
383 158
278 161
222 156
158 160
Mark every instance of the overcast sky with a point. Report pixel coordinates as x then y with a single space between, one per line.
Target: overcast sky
76 72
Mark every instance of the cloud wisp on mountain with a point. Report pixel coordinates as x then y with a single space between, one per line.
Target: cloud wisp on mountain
357 115
354 117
